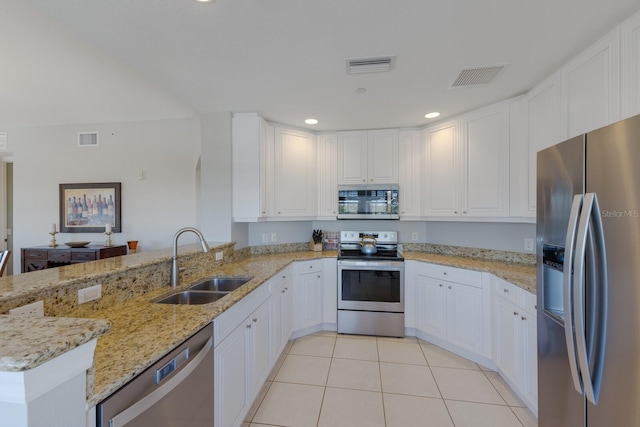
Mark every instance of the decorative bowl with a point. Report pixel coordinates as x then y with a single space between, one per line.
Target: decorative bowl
77 244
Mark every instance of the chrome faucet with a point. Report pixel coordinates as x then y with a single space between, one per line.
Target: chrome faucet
174 261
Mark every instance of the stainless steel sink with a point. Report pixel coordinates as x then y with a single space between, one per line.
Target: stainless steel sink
220 284
192 297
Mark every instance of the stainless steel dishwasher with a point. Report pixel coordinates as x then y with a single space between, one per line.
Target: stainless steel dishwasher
176 391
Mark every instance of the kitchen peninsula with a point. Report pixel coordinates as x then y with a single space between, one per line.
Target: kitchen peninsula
142 331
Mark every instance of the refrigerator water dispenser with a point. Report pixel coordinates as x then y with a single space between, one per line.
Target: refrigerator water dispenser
552 285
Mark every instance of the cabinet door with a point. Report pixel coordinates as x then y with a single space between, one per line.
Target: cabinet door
307 295
260 357
541 130
327 176
440 193
464 316
352 157
630 52
250 158
486 157
409 174
508 340
382 156
530 355
281 307
591 88
231 380
430 305
295 189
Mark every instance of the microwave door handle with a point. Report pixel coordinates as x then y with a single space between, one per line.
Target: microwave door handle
568 285
389 202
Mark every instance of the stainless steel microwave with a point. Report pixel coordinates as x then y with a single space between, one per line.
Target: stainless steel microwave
368 201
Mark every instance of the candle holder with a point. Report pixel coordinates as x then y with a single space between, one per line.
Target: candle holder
53 243
108 242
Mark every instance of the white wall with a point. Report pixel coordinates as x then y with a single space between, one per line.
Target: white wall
485 235
152 209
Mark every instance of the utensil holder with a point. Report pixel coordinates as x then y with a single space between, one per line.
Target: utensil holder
315 247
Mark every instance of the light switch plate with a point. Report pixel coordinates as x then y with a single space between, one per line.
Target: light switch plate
89 294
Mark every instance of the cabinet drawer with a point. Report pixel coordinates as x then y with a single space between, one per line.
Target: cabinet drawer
83 256
59 256
35 255
303 267
452 274
507 291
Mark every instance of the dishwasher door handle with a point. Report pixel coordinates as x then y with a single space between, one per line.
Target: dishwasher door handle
152 398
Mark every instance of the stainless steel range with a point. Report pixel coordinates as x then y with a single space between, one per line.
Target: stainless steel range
370 284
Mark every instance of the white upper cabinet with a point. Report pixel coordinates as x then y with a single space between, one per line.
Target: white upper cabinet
327 176
541 129
251 161
410 153
630 52
368 157
486 159
440 194
295 165
591 88
466 165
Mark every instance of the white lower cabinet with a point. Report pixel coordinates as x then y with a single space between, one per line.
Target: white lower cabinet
308 295
242 357
281 311
453 305
516 340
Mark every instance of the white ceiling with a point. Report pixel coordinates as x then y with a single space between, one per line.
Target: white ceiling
78 61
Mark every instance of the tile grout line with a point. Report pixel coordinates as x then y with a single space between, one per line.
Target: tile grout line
444 402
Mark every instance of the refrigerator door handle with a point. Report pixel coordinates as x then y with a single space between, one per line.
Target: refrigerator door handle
591 380
568 284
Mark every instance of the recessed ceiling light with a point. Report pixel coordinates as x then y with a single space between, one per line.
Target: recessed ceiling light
432 115
205 1
361 90
311 121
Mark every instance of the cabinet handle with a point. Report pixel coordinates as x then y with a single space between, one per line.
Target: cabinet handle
283 291
318 276
455 212
515 313
311 266
445 273
523 318
464 212
249 326
286 289
279 213
371 180
284 277
449 286
264 212
440 285
364 180
255 320
505 290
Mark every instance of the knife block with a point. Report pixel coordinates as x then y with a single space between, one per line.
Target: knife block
315 247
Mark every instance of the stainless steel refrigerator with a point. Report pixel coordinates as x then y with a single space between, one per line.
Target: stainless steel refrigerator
588 273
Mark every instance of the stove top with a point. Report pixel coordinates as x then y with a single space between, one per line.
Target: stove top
386 246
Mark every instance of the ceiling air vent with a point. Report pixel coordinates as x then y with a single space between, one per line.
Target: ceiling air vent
370 65
477 76
87 139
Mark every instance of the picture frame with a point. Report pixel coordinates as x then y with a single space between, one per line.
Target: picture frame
88 208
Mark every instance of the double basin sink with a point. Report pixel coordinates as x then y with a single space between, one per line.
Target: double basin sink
206 291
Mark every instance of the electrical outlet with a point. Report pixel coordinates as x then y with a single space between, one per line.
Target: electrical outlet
414 236
89 294
35 309
265 238
528 245
274 237
219 256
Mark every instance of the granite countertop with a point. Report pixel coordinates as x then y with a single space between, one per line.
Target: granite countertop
37 340
522 275
141 331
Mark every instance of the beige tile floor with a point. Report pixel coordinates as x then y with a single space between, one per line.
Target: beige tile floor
331 380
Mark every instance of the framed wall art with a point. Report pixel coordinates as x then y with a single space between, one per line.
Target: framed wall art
88 208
